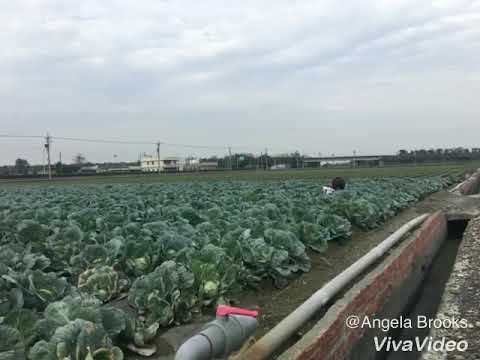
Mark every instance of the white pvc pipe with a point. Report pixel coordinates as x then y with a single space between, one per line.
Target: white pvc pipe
457 187
289 325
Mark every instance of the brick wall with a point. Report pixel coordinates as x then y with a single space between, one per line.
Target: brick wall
330 338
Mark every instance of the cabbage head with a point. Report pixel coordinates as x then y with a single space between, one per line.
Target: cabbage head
102 282
12 346
165 295
78 340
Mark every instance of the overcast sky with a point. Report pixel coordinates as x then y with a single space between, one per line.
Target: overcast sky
317 76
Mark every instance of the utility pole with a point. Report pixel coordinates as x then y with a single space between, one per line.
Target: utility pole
158 156
354 158
43 161
266 159
230 158
47 147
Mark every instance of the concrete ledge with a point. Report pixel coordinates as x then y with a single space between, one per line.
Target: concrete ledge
461 300
471 185
384 292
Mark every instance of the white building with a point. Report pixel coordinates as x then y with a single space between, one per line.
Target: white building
194 164
206 165
168 164
91 169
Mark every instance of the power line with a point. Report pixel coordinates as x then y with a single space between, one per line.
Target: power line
139 143
103 141
125 142
212 147
21 136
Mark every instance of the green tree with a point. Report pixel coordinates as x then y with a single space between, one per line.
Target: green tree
21 166
79 159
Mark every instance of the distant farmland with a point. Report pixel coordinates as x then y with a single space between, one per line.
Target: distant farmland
259 175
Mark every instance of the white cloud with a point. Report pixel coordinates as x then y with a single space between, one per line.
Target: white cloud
179 67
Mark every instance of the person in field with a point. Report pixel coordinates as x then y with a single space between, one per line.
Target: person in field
338 183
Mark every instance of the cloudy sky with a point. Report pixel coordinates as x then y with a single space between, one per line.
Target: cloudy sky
317 76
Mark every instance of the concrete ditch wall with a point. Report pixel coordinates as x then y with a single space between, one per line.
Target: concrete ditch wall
471 185
461 300
385 292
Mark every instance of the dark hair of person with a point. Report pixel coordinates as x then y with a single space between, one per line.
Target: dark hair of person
338 183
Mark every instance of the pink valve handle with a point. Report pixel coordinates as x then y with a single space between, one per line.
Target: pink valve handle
223 310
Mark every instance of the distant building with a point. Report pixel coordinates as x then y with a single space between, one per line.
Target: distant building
375 160
279 167
168 164
120 168
207 164
91 169
7 170
194 164
42 170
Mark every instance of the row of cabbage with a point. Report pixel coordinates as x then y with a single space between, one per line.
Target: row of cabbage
68 254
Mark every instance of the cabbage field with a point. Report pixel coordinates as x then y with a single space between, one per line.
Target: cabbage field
69 253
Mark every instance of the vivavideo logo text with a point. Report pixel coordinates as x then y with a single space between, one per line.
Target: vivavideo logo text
419 344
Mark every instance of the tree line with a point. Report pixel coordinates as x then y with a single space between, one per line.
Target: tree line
245 161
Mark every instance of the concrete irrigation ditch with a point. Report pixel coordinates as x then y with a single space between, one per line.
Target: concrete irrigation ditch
409 283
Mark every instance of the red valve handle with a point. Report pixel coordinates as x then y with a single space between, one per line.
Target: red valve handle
223 310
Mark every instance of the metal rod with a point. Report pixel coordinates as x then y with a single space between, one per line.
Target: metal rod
47 146
158 156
